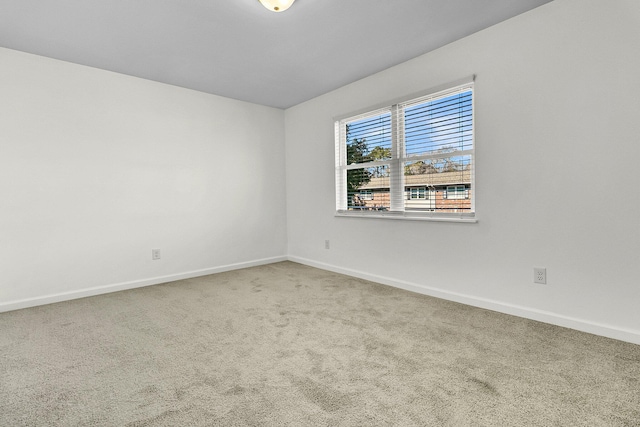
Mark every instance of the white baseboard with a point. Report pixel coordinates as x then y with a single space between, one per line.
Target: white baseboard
98 290
621 334
609 331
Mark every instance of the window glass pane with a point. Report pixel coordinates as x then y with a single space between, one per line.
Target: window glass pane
368 188
441 171
441 125
447 181
369 139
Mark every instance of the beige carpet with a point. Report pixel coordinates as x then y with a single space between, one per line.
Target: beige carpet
289 345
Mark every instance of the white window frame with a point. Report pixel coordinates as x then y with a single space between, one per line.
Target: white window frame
398 160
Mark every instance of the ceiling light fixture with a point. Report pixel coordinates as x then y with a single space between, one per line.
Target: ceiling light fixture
277 5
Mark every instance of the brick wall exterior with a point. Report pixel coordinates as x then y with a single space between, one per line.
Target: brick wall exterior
439 203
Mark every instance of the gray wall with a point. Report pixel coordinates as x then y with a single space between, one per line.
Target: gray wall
557 173
98 168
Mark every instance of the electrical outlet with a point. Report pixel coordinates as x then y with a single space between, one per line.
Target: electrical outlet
155 254
540 275
326 244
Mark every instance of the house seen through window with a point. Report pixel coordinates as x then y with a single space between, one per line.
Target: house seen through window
414 158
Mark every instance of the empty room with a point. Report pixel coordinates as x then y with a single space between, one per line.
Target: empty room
319 213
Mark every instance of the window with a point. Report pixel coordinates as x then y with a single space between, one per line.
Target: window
416 193
401 151
366 195
456 192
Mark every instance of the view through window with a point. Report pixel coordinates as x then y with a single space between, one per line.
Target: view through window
414 158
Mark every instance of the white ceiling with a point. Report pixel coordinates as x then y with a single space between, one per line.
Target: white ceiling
237 48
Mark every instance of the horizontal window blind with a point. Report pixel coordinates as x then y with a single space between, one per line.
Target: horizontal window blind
415 156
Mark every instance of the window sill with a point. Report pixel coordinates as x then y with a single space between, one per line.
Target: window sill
407 216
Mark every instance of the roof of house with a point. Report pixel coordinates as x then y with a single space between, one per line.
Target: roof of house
425 180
